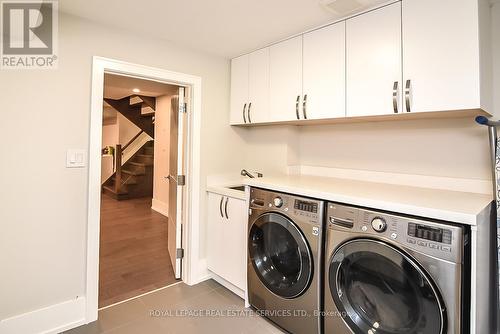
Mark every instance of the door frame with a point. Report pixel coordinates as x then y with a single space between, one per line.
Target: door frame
190 237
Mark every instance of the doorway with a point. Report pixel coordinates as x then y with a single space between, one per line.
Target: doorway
140 155
188 190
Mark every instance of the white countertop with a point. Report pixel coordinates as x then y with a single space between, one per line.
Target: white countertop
453 206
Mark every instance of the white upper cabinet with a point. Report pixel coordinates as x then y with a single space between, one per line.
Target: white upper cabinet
285 80
324 73
258 86
374 62
239 89
441 55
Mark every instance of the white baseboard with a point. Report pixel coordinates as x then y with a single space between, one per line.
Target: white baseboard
423 181
231 287
48 320
159 207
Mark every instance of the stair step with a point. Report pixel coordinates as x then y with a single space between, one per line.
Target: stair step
144 158
127 181
111 192
133 173
149 150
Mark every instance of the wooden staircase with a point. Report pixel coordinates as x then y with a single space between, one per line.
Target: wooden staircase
135 178
138 109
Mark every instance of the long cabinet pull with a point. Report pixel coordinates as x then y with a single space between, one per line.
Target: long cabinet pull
248 112
244 110
395 93
304 106
220 206
225 207
297 107
408 95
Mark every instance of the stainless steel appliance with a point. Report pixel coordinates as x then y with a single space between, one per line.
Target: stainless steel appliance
284 259
389 274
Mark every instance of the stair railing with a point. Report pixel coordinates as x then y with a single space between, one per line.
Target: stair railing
119 180
118 164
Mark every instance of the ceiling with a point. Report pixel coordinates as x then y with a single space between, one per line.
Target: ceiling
222 27
118 86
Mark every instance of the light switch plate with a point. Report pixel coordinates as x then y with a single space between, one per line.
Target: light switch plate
76 158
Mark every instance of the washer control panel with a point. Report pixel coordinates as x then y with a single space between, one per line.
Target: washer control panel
434 238
295 207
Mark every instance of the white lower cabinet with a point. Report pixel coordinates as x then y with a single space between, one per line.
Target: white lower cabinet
226 243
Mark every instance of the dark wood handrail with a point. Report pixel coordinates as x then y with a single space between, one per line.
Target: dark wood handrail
118 163
132 140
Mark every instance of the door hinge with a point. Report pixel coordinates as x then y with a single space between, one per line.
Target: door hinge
180 253
183 108
181 180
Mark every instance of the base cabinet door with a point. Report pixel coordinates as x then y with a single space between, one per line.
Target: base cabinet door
226 249
441 58
324 73
239 90
374 71
215 231
285 80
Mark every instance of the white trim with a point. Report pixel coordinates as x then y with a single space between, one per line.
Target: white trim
141 295
423 181
190 238
52 319
160 207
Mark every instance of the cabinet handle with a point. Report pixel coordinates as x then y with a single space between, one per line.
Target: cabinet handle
297 107
225 207
248 112
395 93
304 107
244 110
408 95
220 206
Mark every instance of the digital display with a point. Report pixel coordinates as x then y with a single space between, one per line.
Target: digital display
429 233
306 206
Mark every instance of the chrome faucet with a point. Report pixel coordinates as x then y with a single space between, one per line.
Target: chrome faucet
244 172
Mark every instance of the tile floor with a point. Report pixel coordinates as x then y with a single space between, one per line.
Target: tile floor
156 313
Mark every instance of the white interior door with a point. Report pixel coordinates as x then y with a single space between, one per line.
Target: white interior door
285 79
176 188
324 73
258 86
374 70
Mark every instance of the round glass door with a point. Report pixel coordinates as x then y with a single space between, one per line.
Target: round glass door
280 255
381 290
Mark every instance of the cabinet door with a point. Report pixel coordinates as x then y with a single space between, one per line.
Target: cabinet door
215 238
441 57
239 89
235 230
285 79
324 72
258 86
374 62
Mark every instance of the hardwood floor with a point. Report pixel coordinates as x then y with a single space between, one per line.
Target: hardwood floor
134 255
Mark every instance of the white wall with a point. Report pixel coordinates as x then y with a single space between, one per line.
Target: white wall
496 56
110 137
44 205
450 148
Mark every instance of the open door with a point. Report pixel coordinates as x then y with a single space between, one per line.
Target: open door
177 180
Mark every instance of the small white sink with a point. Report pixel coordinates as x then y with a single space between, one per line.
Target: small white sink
238 188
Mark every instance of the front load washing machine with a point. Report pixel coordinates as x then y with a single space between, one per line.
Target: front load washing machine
284 259
389 274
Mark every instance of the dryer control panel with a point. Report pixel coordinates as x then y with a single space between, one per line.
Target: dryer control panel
442 240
